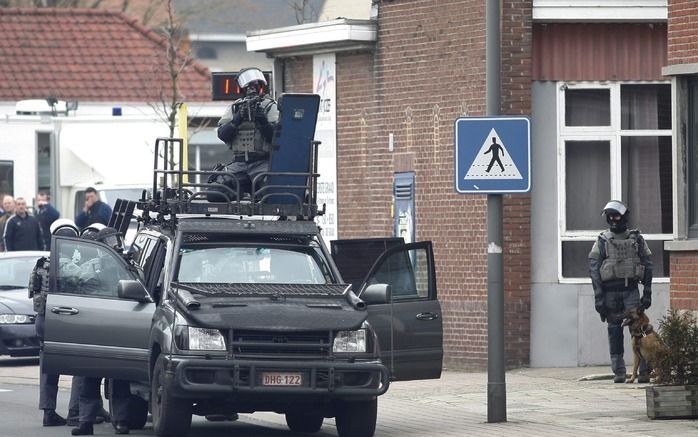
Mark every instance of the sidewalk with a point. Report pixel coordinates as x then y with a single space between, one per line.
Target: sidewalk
540 402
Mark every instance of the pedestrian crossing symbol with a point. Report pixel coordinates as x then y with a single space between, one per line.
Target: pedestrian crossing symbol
492 155
493 161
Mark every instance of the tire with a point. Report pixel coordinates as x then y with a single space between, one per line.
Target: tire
137 412
306 422
171 416
357 419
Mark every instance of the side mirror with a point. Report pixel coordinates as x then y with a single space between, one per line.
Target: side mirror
376 294
132 290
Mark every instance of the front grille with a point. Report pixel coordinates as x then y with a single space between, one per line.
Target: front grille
281 345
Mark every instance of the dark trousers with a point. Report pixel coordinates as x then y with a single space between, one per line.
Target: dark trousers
48 383
90 400
617 303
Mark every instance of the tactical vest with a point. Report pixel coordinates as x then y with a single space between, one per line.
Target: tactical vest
249 138
622 258
38 284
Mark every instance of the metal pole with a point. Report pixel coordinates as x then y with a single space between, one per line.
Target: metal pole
496 385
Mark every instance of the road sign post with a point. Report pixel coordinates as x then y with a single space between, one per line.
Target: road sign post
493 157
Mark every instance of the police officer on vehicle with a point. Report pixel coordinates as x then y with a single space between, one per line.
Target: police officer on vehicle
619 261
247 127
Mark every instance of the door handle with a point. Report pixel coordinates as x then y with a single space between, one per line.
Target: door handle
427 316
64 310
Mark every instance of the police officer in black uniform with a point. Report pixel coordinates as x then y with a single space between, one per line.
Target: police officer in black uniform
38 291
90 397
247 127
619 261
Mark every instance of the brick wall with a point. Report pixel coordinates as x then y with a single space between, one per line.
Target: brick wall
516 52
684 280
682 41
428 69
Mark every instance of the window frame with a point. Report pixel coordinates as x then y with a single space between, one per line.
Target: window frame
613 134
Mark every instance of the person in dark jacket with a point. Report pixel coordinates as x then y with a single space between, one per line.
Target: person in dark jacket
46 214
94 211
8 205
22 231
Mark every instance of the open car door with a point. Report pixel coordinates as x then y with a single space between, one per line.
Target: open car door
90 330
409 327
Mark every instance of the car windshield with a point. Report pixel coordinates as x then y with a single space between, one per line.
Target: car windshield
15 271
248 265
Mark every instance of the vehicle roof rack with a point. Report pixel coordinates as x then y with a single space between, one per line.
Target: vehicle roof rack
178 191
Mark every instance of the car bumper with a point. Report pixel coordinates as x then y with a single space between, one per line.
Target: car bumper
327 379
19 340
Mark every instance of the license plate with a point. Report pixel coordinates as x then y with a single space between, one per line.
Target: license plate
281 378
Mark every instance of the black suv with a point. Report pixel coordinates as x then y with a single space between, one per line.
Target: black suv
218 310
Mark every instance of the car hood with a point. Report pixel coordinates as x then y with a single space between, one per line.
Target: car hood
291 310
16 301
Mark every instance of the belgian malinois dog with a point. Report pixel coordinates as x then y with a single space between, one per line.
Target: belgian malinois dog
645 341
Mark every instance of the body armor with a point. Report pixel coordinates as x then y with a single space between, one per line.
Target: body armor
250 139
622 258
38 284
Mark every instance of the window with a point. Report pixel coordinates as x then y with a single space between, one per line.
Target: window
249 265
693 158
615 143
7 184
206 53
407 272
88 268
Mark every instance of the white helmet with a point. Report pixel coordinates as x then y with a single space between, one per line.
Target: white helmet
64 227
91 231
249 75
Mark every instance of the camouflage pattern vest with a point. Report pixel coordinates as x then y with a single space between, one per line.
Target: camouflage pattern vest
38 284
622 257
249 138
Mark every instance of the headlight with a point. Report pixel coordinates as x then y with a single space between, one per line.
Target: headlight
350 341
16 319
203 339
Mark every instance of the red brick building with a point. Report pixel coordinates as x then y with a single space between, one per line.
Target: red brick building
591 80
682 66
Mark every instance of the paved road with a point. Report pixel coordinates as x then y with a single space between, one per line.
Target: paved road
540 402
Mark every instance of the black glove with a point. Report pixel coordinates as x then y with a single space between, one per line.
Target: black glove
646 299
600 308
260 114
243 112
237 119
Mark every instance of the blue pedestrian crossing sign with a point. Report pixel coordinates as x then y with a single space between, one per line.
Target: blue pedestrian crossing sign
493 155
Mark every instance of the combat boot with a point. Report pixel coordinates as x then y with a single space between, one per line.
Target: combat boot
51 418
85 428
73 418
643 379
121 428
620 377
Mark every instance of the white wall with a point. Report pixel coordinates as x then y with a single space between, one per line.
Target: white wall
565 329
356 9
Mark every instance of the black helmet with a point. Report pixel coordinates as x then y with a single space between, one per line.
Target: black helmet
616 216
64 227
111 237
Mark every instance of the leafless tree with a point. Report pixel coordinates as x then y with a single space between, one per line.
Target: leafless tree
304 10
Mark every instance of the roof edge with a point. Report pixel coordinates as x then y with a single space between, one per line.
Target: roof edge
159 39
